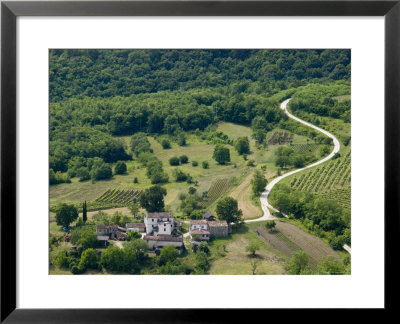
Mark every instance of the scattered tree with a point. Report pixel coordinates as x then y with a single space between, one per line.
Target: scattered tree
84 212
227 209
242 145
258 182
252 249
299 263
66 214
152 199
221 154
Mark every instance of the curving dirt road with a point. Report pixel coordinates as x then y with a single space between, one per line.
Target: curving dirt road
264 196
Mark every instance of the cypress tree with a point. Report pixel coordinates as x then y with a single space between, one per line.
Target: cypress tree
84 212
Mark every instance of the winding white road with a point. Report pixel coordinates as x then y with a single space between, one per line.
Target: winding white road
264 196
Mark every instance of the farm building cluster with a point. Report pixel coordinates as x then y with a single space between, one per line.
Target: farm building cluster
207 228
161 229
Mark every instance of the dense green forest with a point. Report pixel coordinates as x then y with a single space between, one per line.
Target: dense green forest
98 94
111 73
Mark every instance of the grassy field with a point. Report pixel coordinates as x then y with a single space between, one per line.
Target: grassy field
230 256
275 249
237 171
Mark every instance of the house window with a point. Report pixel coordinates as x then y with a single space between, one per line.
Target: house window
165 229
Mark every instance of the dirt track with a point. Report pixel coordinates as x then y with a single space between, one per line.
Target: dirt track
243 195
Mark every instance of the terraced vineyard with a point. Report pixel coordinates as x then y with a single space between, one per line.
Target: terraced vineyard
217 189
306 148
341 195
332 180
118 196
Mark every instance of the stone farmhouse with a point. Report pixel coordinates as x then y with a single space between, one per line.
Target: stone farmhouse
204 230
113 232
160 223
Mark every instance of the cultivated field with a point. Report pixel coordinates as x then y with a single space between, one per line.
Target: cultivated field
288 238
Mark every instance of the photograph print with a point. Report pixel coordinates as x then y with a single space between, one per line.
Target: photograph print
200 161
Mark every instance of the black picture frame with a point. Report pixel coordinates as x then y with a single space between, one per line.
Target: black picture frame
10 10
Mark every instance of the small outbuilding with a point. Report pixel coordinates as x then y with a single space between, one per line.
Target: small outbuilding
156 241
138 227
103 240
209 216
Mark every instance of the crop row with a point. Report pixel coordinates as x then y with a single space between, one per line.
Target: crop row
341 195
305 148
334 174
118 196
217 189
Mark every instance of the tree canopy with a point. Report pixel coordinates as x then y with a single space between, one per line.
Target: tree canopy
66 214
227 209
152 199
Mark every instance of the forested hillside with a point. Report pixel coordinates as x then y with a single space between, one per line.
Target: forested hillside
98 94
110 73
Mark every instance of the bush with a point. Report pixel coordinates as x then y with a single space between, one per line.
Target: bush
196 214
205 165
184 159
101 172
133 235
62 259
165 144
203 247
136 180
88 260
251 163
180 176
120 168
174 160
83 174
242 145
77 270
195 163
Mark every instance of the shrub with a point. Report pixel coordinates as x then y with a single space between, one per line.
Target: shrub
83 174
88 260
251 163
120 168
195 163
205 165
174 160
62 259
132 235
183 159
180 176
136 180
165 144
196 214
101 172
76 270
